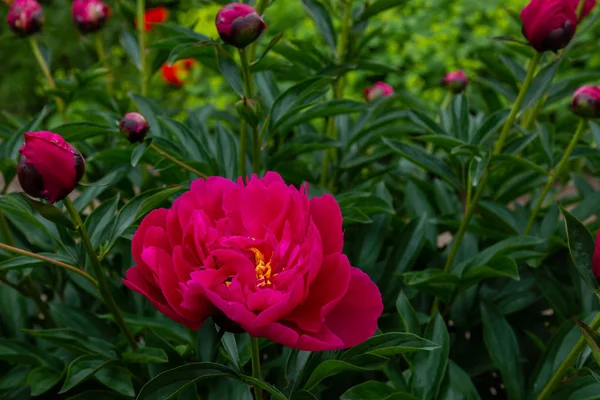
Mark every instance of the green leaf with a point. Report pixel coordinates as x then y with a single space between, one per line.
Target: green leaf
117 379
130 44
50 212
99 222
325 109
79 131
276 394
21 262
43 379
512 161
581 247
425 160
227 149
25 354
81 369
139 151
230 346
371 390
430 367
458 385
424 121
168 383
153 201
74 341
490 127
434 281
377 7
322 19
330 368
501 267
388 345
229 70
541 83
296 98
407 314
150 111
591 337
503 348
146 355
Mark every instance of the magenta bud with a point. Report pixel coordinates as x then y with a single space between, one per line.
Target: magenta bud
586 102
49 167
549 25
456 81
239 24
90 15
377 90
25 17
134 127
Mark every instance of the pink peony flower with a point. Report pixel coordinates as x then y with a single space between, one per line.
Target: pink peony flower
261 256
586 102
25 17
49 167
239 24
90 15
549 25
456 81
377 90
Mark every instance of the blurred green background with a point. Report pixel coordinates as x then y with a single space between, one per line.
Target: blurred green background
416 43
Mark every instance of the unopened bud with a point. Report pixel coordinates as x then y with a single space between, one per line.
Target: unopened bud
134 127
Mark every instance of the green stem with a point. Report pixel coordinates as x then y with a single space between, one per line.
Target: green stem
580 8
176 161
256 373
495 151
102 281
46 70
49 261
338 89
105 60
248 93
140 10
567 363
242 149
561 164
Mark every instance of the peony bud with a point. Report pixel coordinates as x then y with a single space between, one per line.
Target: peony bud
249 110
90 15
25 17
587 7
156 15
549 25
377 90
239 24
456 81
586 102
134 127
177 73
49 167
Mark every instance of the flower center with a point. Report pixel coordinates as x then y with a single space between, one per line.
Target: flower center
263 270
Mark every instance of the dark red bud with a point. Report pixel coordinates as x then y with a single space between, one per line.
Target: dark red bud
134 127
239 24
25 17
586 102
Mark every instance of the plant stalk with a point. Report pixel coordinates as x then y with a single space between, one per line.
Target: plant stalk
256 372
567 363
49 261
140 11
256 144
338 90
102 281
46 70
495 151
176 161
555 174
104 59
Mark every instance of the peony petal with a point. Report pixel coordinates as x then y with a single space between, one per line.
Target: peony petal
354 317
327 216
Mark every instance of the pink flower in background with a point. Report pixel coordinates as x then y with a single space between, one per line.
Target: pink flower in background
549 25
90 15
49 167
456 81
260 255
239 24
377 90
25 17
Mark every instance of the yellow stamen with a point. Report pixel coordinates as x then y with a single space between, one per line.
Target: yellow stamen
263 270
